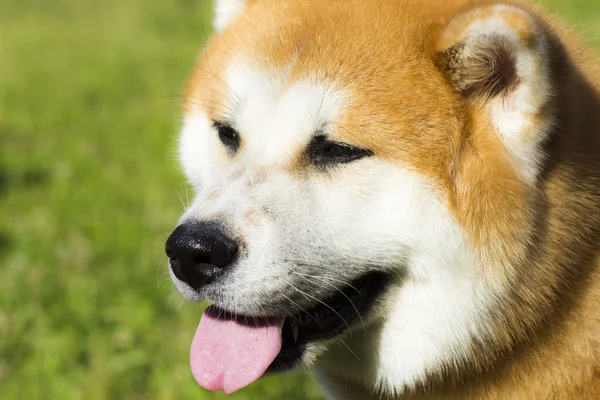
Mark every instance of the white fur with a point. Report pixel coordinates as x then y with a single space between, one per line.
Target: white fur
197 155
277 122
226 11
433 314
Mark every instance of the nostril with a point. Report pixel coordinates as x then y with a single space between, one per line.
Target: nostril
171 254
225 254
202 259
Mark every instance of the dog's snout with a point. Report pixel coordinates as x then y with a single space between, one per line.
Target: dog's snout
200 252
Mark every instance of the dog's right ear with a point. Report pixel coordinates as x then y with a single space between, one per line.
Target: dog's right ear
226 11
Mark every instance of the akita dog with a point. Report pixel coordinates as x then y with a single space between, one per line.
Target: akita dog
401 195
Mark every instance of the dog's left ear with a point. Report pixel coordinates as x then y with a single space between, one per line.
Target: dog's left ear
499 59
226 11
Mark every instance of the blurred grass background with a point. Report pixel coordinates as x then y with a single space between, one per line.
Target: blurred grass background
89 189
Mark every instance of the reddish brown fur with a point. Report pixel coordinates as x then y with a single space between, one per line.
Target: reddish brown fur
541 240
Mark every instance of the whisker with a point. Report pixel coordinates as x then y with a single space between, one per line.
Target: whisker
205 103
347 298
164 235
181 199
328 278
237 100
187 197
213 109
180 304
303 310
202 101
349 349
162 279
314 298
297 306
412 308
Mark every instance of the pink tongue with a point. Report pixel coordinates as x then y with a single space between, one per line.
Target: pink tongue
227 355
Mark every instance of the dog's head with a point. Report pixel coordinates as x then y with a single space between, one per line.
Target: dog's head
358 166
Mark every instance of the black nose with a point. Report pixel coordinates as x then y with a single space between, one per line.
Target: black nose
200 252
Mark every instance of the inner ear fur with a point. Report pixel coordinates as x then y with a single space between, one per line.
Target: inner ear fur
484 69
488 52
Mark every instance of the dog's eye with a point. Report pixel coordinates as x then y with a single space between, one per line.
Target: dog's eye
228 136
324 152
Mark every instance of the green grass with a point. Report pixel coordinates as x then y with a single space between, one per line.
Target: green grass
89 186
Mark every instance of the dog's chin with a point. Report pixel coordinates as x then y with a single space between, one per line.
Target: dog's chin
327 319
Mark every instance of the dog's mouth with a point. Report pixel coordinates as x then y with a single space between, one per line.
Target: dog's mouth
231 351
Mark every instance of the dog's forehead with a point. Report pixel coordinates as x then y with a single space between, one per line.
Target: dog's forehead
275 115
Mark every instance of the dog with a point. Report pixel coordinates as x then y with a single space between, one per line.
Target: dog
401 195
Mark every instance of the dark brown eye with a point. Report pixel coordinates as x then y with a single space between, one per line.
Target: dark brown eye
324 152
228 136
